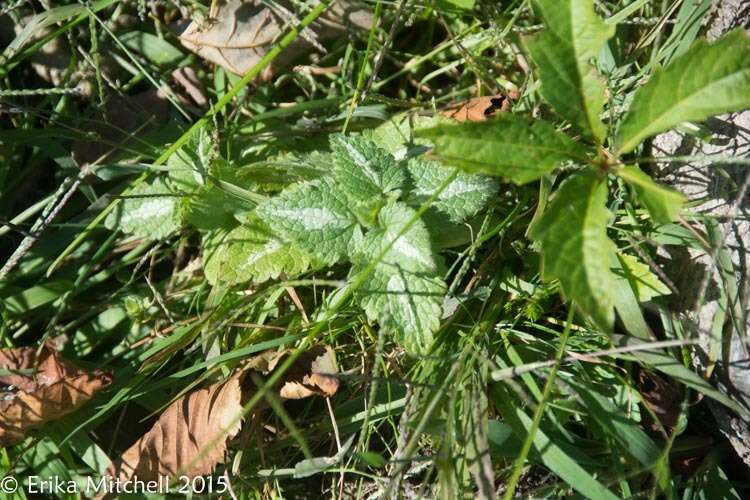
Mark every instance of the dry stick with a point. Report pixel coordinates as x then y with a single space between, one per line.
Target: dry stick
64 192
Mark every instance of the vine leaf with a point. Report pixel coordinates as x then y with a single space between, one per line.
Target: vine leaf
404 293
574 35
517 148
707 80
52 390
251 252
315 216
575 246
662 203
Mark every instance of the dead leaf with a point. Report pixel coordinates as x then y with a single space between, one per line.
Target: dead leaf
480 109
662 397
189 438
241 32
314 372
55 389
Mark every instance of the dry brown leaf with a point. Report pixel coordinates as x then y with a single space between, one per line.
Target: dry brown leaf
54 390
314 372
189 438
479 109
242 31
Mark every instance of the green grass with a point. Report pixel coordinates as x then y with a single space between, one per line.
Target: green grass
518 394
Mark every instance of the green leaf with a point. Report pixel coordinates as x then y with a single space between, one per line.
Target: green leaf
517 148
155 49
574 35
404 293
150 210
575 246
315 216
251 253
365 172
644 283
662 203
466 194
707 80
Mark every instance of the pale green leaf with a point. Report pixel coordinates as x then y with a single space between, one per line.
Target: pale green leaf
573 36
517 148
463 197
644 283
315 216
150 210
663 204
404 293
251 253
575 246
705 81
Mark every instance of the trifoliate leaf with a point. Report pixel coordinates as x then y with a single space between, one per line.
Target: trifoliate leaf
315 216
463 197
705 81
662 203
404 292
511 146
251 253
575 246
366 173
150 210
644 283
573 36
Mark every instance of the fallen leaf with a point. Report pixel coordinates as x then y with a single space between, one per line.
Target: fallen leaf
54 389
190 437
662 397
479 109
241 32
314 372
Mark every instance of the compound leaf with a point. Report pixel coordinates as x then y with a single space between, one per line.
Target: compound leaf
315 216
575 246
517 148
463 197
662 203
707 80
404 292
574 35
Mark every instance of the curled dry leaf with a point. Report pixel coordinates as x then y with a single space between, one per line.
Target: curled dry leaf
241 32
189 438
314 372
480 109
54 389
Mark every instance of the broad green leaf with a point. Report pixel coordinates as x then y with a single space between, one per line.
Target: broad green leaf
150 210
573 36
644 283
466 194
251 253
366 173
404 293
575 246
517 148
707 80
155 49
315 216
662 203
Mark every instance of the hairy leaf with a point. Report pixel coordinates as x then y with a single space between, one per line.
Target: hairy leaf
466 194
404 293
315 216
517 148
50 392
251 252
573 36
662 203
150 210
707 80
575 246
